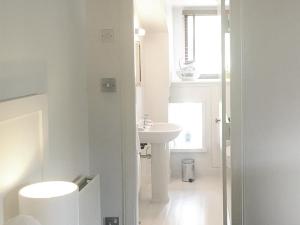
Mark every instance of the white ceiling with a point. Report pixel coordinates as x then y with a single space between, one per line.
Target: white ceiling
152 14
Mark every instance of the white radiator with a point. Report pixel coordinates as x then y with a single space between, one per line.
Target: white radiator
89 201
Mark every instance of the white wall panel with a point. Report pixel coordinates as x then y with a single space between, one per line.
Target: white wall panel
271 109
42 50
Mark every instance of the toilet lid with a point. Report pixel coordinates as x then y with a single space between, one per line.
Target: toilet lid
22 220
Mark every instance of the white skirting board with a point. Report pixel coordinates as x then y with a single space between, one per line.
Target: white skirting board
89 203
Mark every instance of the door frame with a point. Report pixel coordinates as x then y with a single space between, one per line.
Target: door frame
237 106
129 164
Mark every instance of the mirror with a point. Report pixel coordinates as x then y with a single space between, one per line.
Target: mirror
138 66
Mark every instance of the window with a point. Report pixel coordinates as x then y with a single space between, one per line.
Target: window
203 42
190 117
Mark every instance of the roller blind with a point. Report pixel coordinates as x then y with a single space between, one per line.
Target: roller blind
201 12
189 38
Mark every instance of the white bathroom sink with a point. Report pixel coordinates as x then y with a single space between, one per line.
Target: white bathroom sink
159 133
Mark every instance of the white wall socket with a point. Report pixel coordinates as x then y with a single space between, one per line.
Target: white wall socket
107 35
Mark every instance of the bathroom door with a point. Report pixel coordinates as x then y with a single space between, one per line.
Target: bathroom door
223 11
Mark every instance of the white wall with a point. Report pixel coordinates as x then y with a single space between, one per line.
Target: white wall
152 14
178 39
104 108
112 115
139 103
50 35
271 109
155 57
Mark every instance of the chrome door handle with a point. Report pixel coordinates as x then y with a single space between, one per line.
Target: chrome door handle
218 120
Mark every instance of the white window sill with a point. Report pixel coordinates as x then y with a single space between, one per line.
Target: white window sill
172 150
196 82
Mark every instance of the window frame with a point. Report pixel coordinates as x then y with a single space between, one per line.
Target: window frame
193 14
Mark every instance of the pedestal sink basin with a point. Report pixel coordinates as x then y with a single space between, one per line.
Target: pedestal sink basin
159 135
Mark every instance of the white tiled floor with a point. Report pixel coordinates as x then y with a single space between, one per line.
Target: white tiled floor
198 203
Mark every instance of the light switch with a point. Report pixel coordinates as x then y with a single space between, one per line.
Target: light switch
108 85
111 221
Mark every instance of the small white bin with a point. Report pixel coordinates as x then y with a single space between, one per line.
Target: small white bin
188 170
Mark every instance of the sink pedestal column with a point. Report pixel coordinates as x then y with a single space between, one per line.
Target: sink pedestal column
160 172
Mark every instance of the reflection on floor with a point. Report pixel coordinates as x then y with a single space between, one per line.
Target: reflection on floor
198 203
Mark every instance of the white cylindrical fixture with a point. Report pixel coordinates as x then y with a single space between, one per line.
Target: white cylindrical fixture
160 172
51 203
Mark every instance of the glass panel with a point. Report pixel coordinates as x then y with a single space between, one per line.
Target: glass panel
190 117
207 49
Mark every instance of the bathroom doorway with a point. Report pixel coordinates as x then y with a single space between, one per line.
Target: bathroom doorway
183 61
